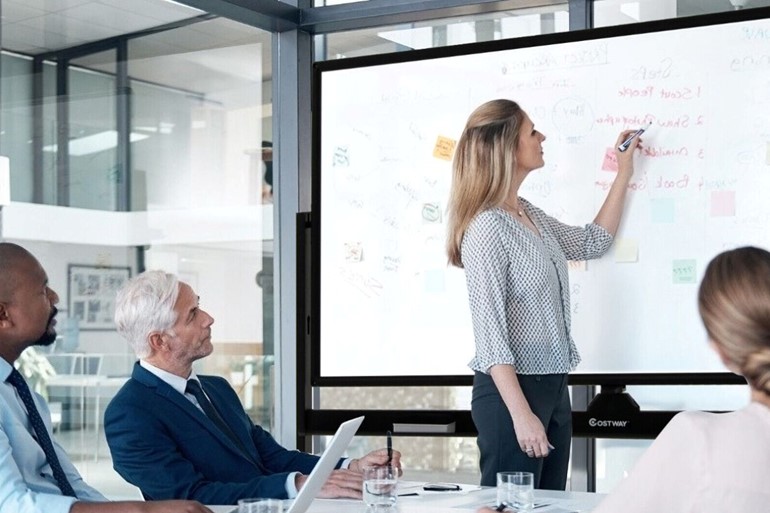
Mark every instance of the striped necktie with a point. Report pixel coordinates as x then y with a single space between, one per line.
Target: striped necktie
41 432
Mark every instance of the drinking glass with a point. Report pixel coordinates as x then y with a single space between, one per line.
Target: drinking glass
380 485
516 490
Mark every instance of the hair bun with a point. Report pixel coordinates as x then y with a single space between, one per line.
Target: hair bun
757 370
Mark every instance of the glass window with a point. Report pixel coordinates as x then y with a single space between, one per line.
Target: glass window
620 12
201 173
93 171
16 143
441 33
190 192
454 459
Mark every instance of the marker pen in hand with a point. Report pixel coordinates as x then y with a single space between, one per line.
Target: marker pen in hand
625 144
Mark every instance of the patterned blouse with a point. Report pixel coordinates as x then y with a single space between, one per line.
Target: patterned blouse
518 288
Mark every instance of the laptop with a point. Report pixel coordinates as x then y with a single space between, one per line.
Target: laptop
325 465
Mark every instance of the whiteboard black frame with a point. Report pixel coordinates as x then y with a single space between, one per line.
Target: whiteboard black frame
313 325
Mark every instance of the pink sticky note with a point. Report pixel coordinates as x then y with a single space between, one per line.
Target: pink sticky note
610 161
722 203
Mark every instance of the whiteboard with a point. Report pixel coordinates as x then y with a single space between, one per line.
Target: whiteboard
389 303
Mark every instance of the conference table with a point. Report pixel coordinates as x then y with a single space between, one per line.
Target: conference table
467 500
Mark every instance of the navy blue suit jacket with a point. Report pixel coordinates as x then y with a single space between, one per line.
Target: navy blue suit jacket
163 444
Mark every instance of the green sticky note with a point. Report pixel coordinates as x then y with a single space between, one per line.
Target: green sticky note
683 271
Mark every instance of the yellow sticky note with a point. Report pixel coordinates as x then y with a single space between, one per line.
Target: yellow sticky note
445 148
626 250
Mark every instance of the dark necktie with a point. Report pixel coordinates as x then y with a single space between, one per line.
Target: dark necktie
194 388
41 432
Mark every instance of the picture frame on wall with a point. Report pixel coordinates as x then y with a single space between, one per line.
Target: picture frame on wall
91 294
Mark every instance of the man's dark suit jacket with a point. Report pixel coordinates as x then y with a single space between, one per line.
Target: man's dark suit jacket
163 444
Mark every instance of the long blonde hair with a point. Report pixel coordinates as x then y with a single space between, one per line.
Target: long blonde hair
483 165
734 303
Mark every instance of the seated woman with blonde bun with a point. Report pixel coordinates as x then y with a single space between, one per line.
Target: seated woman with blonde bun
708 461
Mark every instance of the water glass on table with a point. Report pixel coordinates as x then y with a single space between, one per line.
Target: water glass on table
380 486
260 506
516 490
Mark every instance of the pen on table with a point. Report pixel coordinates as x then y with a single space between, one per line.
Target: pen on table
625 144
390 447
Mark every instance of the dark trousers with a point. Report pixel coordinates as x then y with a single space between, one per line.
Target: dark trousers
548 397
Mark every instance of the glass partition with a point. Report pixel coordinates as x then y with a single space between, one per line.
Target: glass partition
93 171
608 13
17 112
186 121
440 33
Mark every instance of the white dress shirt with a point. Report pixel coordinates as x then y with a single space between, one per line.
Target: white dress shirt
27 484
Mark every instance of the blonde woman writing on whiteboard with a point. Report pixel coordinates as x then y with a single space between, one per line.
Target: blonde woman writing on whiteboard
515 260
706 461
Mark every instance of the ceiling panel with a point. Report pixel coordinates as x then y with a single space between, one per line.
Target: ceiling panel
118 20
14 12
62 24
48 5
